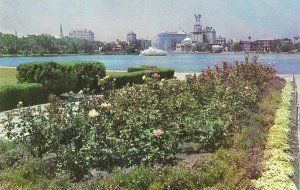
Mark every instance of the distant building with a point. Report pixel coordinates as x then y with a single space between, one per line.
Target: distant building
246 46
185 45
117 46
131 37
167 40
145 44
209 35
220 41
262 45
197 35
83 34
206 35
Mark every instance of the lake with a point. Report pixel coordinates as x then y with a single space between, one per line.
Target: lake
284 63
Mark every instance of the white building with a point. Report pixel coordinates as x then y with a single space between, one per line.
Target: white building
197 37
184 46
220 41
83 34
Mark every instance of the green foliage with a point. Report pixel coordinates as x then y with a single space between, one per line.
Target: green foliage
136 178
278 166
166 73
123 78
144 124
87 73
135 75
141 68
33 174
11 94
62 77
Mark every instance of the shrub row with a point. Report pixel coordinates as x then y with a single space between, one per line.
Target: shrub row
141 68
28 93
278 166
135 74
59 77
163 72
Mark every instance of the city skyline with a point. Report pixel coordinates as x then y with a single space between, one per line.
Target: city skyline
111 20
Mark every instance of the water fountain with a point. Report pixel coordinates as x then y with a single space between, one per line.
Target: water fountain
152 51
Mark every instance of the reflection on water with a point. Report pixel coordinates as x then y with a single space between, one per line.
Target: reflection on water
284 63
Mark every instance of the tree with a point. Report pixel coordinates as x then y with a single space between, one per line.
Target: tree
286 47
297 46
10 44
237 46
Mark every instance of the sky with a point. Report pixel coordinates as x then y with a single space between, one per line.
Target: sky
113 19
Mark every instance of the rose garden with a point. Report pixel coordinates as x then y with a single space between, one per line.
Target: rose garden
225 128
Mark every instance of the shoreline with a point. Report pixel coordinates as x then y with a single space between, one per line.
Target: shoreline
170 53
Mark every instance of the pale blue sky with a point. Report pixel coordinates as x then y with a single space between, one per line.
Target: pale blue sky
112 19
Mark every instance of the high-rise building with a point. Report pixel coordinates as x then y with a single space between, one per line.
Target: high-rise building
83 34
131 37
197 35
207 35
167 40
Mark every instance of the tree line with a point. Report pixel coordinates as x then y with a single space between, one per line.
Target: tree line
47 44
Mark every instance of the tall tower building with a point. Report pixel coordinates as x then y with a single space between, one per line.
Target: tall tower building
197 35
61 32
198 26
16 33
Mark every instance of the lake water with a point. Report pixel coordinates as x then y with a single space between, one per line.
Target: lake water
284 63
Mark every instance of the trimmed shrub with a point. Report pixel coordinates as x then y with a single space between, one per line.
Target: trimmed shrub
141 68
59 77
122 78
28 93
135 74
87 74
163 72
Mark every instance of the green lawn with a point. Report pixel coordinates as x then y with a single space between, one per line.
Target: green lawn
8 75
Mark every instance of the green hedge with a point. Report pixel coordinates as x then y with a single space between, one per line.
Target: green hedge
122 78
141 68
163 72
28 93
59 77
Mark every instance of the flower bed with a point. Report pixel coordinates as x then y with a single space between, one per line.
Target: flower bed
225 111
